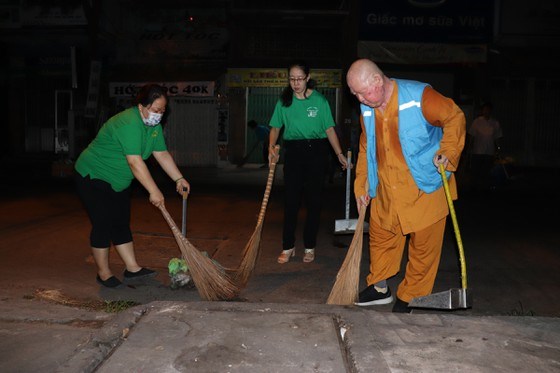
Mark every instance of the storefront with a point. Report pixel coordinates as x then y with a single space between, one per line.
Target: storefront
194 125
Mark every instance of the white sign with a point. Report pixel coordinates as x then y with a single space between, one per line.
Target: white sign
191 89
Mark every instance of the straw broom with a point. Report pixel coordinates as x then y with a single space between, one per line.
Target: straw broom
251 250
211 281
345 288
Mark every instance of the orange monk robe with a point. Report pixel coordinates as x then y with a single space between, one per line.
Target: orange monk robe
400 207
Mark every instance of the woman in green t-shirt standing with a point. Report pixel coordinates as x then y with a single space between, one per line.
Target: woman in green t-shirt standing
104 173
308 125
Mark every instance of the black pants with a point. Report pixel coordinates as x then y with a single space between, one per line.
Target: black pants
108 211
305 164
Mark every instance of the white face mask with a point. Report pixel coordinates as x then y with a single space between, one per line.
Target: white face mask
153 119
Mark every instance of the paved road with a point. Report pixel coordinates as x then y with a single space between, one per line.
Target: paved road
512 248
50 306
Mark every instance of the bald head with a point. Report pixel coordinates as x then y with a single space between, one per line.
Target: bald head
368 83
362 71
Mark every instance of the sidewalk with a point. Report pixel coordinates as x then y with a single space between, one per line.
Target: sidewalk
249 337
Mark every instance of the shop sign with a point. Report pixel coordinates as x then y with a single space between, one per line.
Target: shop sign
427 21
238 78
190 89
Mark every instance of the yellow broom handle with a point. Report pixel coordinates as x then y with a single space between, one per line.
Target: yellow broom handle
455 227
268 185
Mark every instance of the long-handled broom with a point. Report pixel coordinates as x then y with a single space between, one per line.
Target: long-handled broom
345 288
456 298
211 281
251 251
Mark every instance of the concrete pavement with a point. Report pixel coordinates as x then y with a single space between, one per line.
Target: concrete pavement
52 317
251 337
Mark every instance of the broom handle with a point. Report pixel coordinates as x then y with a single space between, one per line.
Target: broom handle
455 227
268 185
184 216
170 221
348 160
175 230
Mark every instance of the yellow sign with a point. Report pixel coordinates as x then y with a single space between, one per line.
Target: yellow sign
240 78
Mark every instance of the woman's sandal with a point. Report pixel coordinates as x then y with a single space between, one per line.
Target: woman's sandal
309 255
286 255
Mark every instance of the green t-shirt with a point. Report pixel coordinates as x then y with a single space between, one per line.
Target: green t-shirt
123 134
304 119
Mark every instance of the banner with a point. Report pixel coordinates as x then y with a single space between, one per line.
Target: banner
239 78
190 89
427 21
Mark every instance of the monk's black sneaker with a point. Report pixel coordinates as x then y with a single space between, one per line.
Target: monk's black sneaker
370 296
401 306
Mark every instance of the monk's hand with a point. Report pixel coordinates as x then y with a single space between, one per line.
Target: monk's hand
362 201
440 159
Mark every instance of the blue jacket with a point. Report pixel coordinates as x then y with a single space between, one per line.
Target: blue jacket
419 139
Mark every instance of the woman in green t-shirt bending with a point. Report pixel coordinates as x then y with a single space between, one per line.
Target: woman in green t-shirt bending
104 173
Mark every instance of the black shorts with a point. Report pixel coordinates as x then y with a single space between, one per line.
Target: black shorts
108 211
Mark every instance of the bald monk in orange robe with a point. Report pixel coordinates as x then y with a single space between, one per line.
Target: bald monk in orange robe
408 130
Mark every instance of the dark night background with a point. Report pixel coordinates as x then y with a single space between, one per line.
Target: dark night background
61 58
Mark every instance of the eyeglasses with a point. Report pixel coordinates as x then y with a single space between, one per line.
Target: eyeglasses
298 80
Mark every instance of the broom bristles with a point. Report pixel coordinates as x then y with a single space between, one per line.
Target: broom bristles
211 282
345 288
249 258
251 251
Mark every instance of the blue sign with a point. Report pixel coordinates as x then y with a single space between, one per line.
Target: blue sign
427 21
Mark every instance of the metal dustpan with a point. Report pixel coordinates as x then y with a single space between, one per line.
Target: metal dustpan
454 298
347 225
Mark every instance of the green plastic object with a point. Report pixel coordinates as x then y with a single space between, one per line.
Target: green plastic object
177 265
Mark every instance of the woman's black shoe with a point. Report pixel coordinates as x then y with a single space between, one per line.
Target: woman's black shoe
111 282
142 273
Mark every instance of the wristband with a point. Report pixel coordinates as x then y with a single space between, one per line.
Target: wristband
182 177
